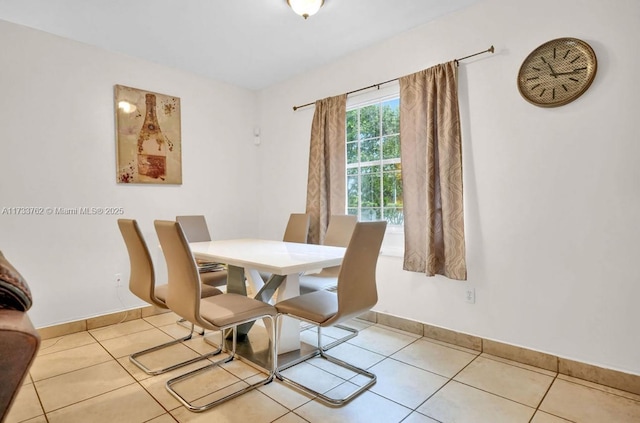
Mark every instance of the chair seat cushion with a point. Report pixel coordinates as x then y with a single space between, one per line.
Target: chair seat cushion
228 309
317 307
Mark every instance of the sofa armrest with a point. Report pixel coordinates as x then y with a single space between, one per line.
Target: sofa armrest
19 343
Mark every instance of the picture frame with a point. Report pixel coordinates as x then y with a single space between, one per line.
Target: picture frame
148 137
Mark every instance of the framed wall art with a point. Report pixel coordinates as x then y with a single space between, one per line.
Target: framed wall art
148 139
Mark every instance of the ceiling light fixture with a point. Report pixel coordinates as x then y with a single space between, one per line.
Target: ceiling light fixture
305 8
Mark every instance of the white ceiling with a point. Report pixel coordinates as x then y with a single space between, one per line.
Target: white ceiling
250 43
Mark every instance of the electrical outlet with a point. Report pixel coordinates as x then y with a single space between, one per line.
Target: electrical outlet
118 279
470 295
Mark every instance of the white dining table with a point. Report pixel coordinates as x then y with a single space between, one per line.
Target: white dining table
284 260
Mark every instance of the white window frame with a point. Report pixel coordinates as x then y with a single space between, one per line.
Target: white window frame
393 244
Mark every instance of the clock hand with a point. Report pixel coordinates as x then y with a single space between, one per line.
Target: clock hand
566 73
553 73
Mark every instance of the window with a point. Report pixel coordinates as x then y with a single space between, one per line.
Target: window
374 173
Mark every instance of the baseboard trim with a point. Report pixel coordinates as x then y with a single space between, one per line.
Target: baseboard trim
612 378
97 322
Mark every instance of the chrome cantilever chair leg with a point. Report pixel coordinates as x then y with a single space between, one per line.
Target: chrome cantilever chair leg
185 324
321 352
352 334
356 293
134 357
271 372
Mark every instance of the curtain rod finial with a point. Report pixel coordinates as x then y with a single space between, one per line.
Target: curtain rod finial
491 49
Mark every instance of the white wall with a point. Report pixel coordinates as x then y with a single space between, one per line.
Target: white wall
551 195
57 148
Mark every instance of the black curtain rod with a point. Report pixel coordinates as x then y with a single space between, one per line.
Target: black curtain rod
489 50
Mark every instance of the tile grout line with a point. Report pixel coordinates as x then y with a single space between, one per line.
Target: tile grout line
544 396
595 388
136 381
440 388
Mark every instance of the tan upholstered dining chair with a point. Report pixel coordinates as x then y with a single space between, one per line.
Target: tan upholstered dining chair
338 234
196 230
297 230
142 284
217 313
356 293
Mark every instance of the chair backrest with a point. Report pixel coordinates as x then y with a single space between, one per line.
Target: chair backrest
340 230
183 295
297 228
357 291
141 276
195 228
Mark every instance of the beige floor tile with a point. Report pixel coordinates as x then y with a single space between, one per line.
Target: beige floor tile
333 332
254 407
63 329
25 406
155 385
131 343
310 336
285 394
163 319
166 357
357 356
434 357
382 341
515 383
39 419
585 405
461 403
418 418
50 365
121 329
542 417
130 404
69 388
200 344
61 343
358 323
313 377
290 418
210 384
77 380
450 345
179 331
405 384
367 407
165 418
239 368
608 389
132 369
521 365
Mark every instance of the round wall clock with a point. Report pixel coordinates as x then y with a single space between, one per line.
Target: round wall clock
557 72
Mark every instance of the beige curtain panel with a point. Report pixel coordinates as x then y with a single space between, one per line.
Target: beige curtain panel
431 153
327 162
